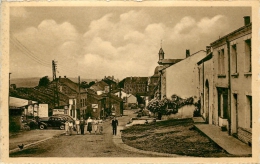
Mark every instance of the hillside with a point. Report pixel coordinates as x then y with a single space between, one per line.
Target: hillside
25 82
33 81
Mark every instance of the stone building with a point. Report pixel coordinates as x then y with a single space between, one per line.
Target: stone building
136 85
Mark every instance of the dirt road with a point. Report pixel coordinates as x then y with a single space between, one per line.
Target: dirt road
88 145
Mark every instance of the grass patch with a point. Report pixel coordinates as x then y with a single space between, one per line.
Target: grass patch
173 137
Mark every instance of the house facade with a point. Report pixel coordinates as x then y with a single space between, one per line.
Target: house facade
205 88
181 79
136 85
113 105
95 106
76 103
226 90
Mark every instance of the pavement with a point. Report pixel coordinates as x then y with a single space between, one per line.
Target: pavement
221 138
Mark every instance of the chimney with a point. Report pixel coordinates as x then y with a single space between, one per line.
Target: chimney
246 20
59 78
65 77
187 53
208 49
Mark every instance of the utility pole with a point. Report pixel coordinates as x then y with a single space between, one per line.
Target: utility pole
55 88
80 105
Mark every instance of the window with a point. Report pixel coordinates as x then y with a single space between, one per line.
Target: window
249 107
234 59
221 66
248 56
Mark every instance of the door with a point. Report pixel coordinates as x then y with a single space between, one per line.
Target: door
207 100
236 113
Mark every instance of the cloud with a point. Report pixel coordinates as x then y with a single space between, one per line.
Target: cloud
120 45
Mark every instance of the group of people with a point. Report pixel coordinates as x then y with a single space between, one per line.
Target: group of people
95 125
92 125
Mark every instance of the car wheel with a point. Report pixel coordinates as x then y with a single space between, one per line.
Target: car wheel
42 127
62 127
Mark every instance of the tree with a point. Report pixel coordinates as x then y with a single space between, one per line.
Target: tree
84 84
44 81
91 83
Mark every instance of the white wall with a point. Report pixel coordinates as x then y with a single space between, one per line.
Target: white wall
183 112
182 78
43 110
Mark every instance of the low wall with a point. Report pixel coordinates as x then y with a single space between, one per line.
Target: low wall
184 112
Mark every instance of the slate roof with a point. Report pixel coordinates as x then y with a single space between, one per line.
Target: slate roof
74 86
136 79
112 96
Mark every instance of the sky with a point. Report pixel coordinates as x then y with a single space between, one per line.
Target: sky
93 42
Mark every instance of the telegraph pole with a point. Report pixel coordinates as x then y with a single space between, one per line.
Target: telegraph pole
79 99
55 88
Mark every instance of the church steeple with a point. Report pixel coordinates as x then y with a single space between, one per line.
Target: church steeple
161 53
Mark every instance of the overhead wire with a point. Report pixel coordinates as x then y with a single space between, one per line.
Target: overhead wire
33 57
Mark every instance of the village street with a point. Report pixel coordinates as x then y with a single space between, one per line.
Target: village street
88 145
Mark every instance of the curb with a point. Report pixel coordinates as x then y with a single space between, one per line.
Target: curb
34 143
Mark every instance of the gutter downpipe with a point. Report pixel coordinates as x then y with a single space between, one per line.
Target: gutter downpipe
203 92
229 86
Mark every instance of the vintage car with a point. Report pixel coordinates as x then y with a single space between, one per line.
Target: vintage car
53 121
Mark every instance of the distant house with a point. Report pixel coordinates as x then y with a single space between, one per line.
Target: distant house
98 90
76 103
131 99
111 82
136 85
95 106
113 104
120 94
100 87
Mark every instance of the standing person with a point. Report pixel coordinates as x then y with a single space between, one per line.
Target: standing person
67 127
77 126
89 125
114 125
70 127
100 126
95 125
82 125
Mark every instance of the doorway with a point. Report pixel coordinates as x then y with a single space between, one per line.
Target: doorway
207 101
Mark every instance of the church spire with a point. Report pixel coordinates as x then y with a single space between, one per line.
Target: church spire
161 53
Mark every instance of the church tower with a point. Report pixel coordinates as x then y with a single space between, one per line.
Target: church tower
161 54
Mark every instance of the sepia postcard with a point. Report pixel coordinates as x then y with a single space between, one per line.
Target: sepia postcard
129 81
